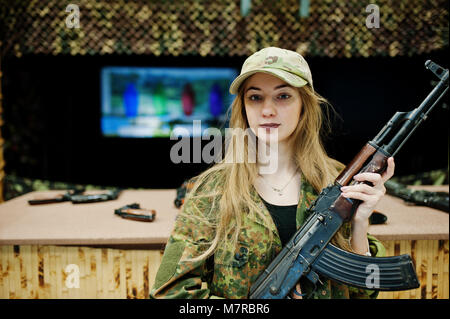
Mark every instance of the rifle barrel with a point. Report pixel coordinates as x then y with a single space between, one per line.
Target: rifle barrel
415 117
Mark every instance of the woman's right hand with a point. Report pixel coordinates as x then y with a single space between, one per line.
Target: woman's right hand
296 292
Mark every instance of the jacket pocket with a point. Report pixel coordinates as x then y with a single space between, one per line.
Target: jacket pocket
231 278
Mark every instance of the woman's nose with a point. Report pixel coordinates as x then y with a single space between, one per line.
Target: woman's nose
268 108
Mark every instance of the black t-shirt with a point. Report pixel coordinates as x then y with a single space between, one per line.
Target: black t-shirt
284 219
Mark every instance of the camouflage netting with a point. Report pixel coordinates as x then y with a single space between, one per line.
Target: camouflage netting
15 186
217 28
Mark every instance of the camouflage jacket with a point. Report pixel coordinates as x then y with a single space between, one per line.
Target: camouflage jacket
221 277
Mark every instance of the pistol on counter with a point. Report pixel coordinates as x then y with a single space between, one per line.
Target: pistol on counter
135 212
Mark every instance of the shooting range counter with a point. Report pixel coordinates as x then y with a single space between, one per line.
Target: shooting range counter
47 251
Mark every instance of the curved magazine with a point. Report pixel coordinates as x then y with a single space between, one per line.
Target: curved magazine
375 273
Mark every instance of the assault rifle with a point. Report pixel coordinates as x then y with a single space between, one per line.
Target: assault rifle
437 200
77 197
309 252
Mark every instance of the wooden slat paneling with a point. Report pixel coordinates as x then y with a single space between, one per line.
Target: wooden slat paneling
431 262
31 271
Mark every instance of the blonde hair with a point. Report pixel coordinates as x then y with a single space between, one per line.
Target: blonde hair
232 194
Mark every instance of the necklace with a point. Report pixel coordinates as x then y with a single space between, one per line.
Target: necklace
279 191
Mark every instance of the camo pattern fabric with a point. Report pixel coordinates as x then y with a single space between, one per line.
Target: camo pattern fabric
231 271
288 65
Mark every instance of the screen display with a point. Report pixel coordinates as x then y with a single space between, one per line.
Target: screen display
159 101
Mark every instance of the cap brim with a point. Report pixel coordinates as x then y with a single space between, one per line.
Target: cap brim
291 79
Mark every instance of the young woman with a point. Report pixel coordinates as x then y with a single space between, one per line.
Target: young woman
240 213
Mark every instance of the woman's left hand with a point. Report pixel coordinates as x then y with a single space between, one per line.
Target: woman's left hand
369 195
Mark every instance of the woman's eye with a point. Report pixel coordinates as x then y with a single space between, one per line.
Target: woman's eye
284 96
254 98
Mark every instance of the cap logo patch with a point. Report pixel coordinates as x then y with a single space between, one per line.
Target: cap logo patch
271 59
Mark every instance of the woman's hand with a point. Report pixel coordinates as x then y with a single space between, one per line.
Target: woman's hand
370 196
296 292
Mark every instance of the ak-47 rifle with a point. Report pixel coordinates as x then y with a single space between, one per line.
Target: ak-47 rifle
437 200
77 197
310 253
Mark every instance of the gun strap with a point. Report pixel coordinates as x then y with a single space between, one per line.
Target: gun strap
375 273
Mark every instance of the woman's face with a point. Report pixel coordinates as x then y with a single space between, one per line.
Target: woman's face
272 106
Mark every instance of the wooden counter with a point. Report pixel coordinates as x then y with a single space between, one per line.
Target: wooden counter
406 222
86 224
114 257
49 250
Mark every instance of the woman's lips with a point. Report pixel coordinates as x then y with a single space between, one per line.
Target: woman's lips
270 125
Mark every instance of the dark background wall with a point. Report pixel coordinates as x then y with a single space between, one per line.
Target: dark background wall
52 116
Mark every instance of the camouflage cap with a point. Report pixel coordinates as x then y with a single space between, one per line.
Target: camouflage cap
287 65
